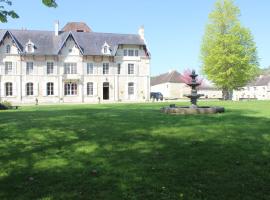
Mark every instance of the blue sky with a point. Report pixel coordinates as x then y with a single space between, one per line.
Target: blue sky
173 28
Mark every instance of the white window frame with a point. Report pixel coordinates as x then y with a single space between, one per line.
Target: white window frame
8 49
8 89
8 67
131 52
29 68
90 89
70 68
131 88
90 68
50 88
131 69
50 68
70 89
29 89
105 68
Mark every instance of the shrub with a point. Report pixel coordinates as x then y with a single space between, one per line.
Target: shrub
5 105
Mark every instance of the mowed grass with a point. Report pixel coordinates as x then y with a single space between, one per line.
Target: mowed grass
132 151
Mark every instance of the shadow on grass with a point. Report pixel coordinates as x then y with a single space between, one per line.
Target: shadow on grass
115 153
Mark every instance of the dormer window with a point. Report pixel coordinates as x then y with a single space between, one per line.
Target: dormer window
106 49
29 47
8 48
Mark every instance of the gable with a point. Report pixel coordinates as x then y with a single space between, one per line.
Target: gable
9 40
70 46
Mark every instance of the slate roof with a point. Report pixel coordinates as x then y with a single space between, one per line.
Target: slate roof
46 43
170 77
260 81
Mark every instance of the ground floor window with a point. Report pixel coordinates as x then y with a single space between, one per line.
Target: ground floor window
130 88
8 89
50 88
90 88
29 89
71 89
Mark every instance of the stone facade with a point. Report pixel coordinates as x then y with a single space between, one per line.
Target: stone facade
116 69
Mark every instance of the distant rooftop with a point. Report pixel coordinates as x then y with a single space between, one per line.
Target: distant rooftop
76 27
169 77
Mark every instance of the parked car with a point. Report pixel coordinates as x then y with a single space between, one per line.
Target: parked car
156 95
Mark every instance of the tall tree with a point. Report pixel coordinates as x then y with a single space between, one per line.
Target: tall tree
4 13
228 51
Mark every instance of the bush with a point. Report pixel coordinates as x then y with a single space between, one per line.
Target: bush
5 105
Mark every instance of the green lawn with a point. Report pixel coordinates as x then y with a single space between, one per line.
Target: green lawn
132 151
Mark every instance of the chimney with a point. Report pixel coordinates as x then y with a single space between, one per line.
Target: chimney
56 28
141 32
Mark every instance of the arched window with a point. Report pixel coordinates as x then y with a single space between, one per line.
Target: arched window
29 89
70 89
8 48
90 88
50 89
8 87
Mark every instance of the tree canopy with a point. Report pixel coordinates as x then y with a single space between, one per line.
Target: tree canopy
228 51
5 13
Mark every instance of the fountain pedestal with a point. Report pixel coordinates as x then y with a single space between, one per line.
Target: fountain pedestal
193 108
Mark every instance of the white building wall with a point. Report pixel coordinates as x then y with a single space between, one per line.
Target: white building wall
118 83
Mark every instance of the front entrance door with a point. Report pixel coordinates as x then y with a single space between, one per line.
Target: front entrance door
106 91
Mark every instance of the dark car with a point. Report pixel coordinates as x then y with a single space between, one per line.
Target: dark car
156 95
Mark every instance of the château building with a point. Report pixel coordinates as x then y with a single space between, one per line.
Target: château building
74 64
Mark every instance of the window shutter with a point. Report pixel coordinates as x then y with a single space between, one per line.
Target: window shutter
44 89
55 89
95 88
23 89
2 89
85 89
14 68
14 89
45 69
35 89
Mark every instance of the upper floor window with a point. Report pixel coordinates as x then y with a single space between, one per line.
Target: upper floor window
90 88
131 52
105 68
29 89
119 68
90 68
130 68
70 89
8 87
49 67
8 48
70 68
8 67
50 89
29 68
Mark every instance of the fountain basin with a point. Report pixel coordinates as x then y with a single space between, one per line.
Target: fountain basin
191 110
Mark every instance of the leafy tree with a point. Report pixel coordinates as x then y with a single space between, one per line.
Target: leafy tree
4 13
228 51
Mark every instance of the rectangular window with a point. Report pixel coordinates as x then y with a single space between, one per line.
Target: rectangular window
130 88
125 52
130 68
90 88
90 68
105 68
49 67
29 68
130 52
50 89
29 89
136 53
119 68
8 89
8 67
70 68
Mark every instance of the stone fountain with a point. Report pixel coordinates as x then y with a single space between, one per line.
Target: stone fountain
193 108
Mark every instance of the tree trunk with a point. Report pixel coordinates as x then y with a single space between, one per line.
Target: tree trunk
225 94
